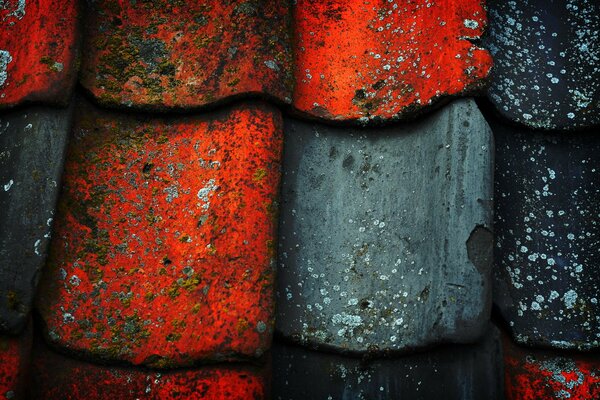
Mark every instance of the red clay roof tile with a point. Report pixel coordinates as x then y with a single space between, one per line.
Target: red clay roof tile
38 48
384 59
14 364
180 54
538 374
163 248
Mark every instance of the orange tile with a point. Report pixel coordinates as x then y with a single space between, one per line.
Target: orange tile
163 249
178 54
14 365
538 374
38 47
385 59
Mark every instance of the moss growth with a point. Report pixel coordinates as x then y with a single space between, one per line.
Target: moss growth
12 300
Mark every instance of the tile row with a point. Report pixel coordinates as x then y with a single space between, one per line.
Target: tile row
354 61
491 368
384 242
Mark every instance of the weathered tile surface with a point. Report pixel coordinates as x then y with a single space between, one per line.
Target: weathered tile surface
14 365
55 376
32 147
536 374
38 48
546 55
547 226
384 59
384 233
466 372
179 54
163 253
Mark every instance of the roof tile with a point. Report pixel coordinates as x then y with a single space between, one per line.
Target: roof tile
363 60
33 143
466 372
384 233
165 226
537 374
547 230
38 48
546 56
180 54
14 364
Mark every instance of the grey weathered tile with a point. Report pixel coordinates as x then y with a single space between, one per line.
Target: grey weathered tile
547 225
32 145
546 55
466 372
385 239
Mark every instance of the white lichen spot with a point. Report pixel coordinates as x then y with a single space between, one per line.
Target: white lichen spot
570 298
36 247
172 193
8 185
67 317
19 10
272 65
471 24
205 192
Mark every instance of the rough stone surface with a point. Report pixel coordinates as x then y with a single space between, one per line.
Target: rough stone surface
385 59
547 224
55 376
38 50
181 54
546 56
536 374
32 147
164 247
466 372
384 233
14 365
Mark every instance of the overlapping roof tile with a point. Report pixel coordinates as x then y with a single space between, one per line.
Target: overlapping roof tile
546 56
354 60
363 60
38 51
165 226
165 244
467 372
14 366
538 374
33 142
384 233
179 54
547 230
